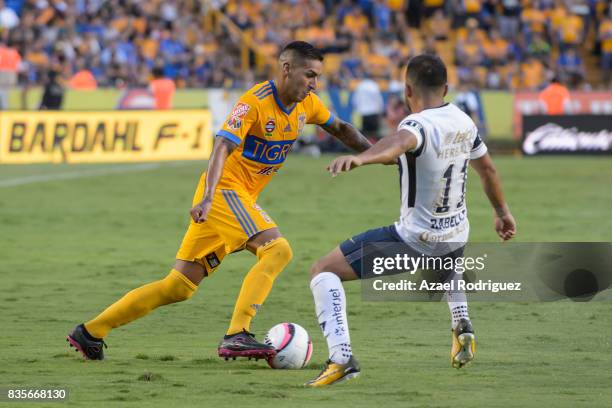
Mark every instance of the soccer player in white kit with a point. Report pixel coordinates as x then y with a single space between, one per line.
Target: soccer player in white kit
433 147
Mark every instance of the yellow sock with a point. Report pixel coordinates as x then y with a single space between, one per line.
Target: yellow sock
173 288
272 259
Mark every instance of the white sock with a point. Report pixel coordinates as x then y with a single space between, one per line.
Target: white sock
459 310
457 303
330 306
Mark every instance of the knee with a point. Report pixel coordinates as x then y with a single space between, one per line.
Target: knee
317 267
183 293
177 287
285 252
279 249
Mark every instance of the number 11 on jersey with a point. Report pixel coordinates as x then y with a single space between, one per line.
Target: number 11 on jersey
443 206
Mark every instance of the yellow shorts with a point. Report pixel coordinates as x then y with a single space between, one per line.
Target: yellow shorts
233 219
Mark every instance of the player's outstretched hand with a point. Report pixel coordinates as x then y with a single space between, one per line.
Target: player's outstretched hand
505 226
199 213
343 163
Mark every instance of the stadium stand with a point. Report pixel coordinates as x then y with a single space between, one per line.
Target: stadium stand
507 44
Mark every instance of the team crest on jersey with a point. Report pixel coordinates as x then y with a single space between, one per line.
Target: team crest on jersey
270 125
301 122
234 123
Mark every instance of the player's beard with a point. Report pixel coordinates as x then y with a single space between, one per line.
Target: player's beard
304 91
301 96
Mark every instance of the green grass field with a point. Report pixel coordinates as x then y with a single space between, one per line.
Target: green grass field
69 247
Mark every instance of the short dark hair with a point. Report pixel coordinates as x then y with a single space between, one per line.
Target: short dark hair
426 72
302 50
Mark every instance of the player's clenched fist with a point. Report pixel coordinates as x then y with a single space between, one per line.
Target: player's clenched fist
199 213
343 163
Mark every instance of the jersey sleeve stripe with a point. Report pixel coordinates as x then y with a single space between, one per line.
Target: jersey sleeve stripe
245 228
330 120
417 130
480 151
421 148
263 95
263 89
477 142
246 215
229 136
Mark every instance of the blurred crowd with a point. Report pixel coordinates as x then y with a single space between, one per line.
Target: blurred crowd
117 42
497 44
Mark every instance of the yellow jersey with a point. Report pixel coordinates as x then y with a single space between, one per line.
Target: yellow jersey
264 131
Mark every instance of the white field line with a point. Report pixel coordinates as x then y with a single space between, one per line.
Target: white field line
119 169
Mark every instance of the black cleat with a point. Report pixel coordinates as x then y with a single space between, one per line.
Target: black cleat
90 347
243 344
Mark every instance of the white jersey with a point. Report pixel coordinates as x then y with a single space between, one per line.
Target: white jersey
433 178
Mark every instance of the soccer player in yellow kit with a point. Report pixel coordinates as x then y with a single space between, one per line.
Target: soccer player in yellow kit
249 149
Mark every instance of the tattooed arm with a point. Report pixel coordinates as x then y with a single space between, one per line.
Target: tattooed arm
347 134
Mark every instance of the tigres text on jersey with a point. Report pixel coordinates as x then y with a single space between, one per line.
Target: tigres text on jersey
265 131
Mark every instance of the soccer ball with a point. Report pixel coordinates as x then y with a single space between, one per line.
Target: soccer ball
292 344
